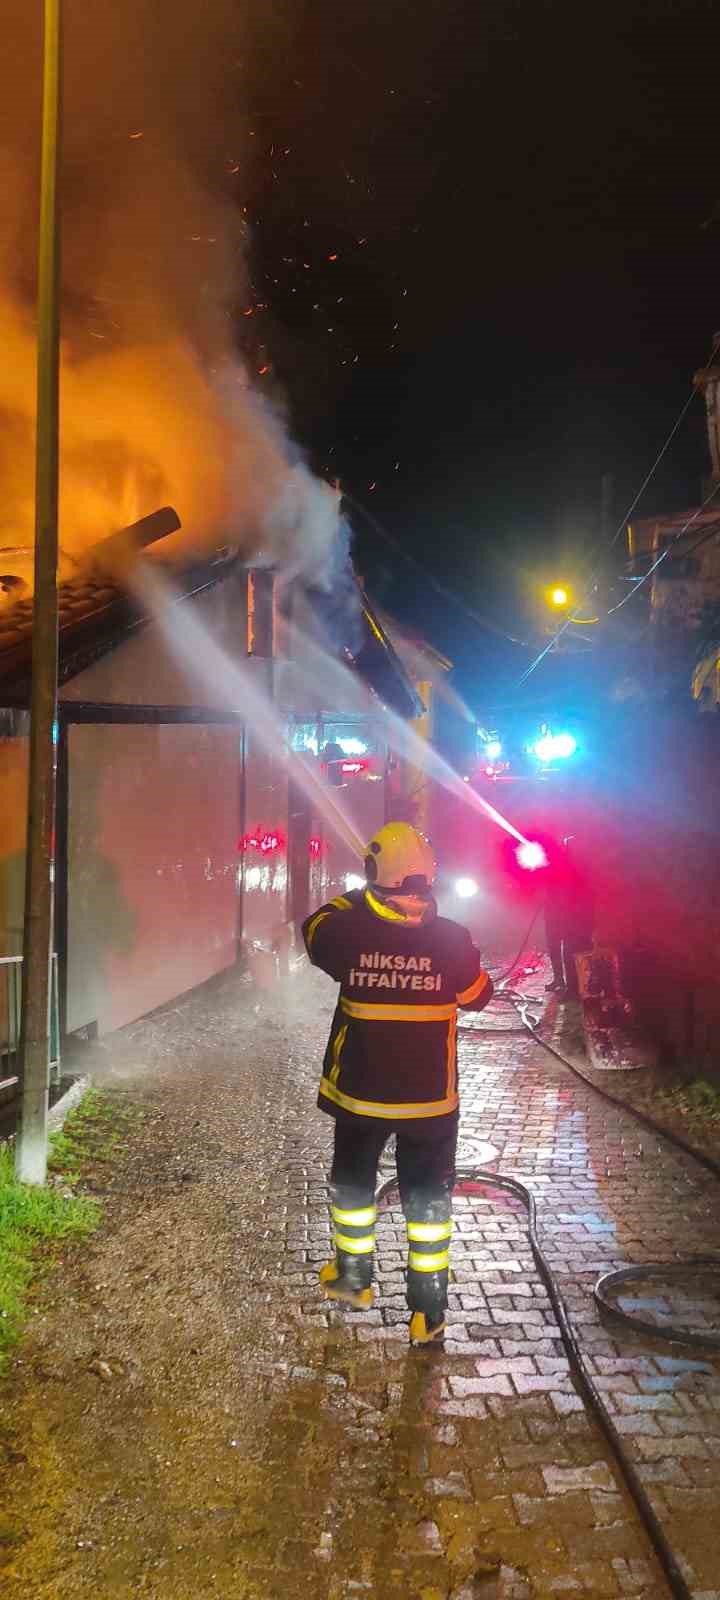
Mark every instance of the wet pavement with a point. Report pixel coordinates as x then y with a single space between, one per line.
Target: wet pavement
187 1418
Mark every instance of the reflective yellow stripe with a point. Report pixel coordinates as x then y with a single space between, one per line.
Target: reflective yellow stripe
435 1263
338 1043
378 1108
355 1247
381 910
389 1013
361 1218
452 1082
314 925
475 989
342 903
429 1232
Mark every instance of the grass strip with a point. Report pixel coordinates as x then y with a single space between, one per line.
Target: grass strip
35 1221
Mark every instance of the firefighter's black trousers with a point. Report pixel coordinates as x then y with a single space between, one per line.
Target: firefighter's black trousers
426 1174
568 933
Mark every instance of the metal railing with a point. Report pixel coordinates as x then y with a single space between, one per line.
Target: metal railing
10 1016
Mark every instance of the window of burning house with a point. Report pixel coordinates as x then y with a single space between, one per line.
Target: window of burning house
346 737
305 737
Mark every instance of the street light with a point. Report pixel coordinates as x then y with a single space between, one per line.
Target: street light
560 597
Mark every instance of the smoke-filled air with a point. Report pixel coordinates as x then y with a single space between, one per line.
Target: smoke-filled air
157 404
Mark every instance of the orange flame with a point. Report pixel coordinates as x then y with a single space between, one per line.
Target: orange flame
156 407
139 427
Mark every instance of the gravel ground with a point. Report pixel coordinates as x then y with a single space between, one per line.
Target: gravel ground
187 1418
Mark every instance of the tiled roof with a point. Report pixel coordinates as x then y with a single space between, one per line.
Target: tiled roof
96 615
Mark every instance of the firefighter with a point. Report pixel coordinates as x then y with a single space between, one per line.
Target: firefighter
568 918
390 1066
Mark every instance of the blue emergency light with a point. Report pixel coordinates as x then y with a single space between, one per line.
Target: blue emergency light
553 747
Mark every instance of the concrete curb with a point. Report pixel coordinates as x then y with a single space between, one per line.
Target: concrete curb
67 1103
61 1109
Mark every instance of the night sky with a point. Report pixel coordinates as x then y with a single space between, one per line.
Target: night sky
489 240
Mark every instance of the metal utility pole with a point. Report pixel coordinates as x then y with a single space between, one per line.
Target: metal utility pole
31 1147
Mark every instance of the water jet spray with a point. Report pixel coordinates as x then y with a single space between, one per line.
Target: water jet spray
320 669
193 647
228 681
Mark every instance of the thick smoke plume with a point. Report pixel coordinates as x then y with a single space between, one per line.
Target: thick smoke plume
157 404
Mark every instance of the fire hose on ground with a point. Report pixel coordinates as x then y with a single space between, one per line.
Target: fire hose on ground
649 1272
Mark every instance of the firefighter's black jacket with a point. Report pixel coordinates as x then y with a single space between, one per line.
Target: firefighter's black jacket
392 1046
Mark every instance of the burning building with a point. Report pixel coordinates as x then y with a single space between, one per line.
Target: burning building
185 839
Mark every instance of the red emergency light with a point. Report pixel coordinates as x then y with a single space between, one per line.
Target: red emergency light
530 855
527 862
266 840
314 848
350 769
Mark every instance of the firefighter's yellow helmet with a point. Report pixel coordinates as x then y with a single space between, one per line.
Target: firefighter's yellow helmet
401 859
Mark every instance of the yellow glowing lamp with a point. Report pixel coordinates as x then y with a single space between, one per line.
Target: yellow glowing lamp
559 597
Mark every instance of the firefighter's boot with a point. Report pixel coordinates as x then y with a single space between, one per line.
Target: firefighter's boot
429 1227
342 1280
423 1330
349 1277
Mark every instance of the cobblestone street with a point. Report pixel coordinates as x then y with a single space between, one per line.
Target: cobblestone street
250 1442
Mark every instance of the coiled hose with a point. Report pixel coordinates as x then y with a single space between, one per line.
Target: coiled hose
583 1378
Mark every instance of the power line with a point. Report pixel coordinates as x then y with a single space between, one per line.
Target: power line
480 621
678 422
622 525
668 551
710 533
